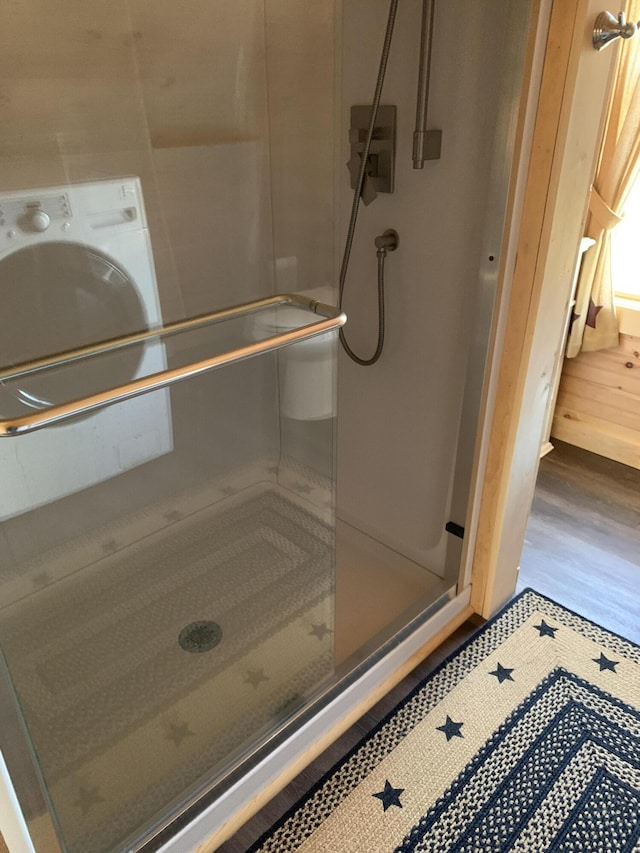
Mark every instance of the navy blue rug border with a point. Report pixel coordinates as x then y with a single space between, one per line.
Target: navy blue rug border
255 847
558 674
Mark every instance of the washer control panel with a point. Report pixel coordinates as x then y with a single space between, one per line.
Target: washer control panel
22 216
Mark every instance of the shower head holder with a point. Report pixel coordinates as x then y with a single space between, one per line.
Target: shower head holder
388 241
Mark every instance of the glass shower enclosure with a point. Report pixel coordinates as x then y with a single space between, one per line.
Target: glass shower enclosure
177 591
167 567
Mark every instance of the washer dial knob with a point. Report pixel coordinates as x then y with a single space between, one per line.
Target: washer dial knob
39 220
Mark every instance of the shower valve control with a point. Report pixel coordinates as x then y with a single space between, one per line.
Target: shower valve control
380 167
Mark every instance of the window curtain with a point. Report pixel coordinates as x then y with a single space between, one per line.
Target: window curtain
593 322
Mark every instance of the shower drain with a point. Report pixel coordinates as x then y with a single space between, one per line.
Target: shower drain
200 636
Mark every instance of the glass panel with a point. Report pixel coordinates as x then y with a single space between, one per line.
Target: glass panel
408 425
174 584
141 614
166 572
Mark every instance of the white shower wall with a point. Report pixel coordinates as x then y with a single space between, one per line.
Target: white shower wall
399 420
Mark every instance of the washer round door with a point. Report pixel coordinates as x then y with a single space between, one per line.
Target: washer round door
58 296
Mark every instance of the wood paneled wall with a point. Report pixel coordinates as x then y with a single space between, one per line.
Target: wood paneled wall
598 405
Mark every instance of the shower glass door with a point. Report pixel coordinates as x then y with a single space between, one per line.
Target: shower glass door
166 562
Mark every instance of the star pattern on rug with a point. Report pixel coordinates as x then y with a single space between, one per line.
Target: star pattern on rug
605 663
390 796
255 677
451 729
551 719
179 732
545 630
320 631
502 673
88 797
592 313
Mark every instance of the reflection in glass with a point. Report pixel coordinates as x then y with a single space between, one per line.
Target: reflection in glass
94 632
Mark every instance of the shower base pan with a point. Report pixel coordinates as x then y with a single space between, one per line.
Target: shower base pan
129 726
124 717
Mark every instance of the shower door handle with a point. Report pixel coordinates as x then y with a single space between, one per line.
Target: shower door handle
332 319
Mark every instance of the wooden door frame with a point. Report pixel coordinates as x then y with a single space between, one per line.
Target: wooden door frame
530 299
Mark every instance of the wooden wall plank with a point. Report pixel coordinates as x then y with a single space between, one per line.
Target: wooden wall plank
598 436
607 374
598 405
630 344
627 414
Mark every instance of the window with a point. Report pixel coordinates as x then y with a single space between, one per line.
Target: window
625 249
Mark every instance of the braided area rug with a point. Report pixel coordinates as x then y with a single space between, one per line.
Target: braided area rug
526 739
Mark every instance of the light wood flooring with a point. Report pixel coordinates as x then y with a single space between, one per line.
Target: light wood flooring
582 549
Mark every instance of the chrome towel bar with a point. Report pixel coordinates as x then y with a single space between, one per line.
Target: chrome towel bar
10 427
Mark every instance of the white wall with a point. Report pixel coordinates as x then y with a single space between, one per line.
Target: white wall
399 420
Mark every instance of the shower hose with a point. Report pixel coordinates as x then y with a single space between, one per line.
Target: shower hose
381 253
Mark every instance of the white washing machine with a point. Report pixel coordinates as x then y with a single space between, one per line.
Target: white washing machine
76 267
